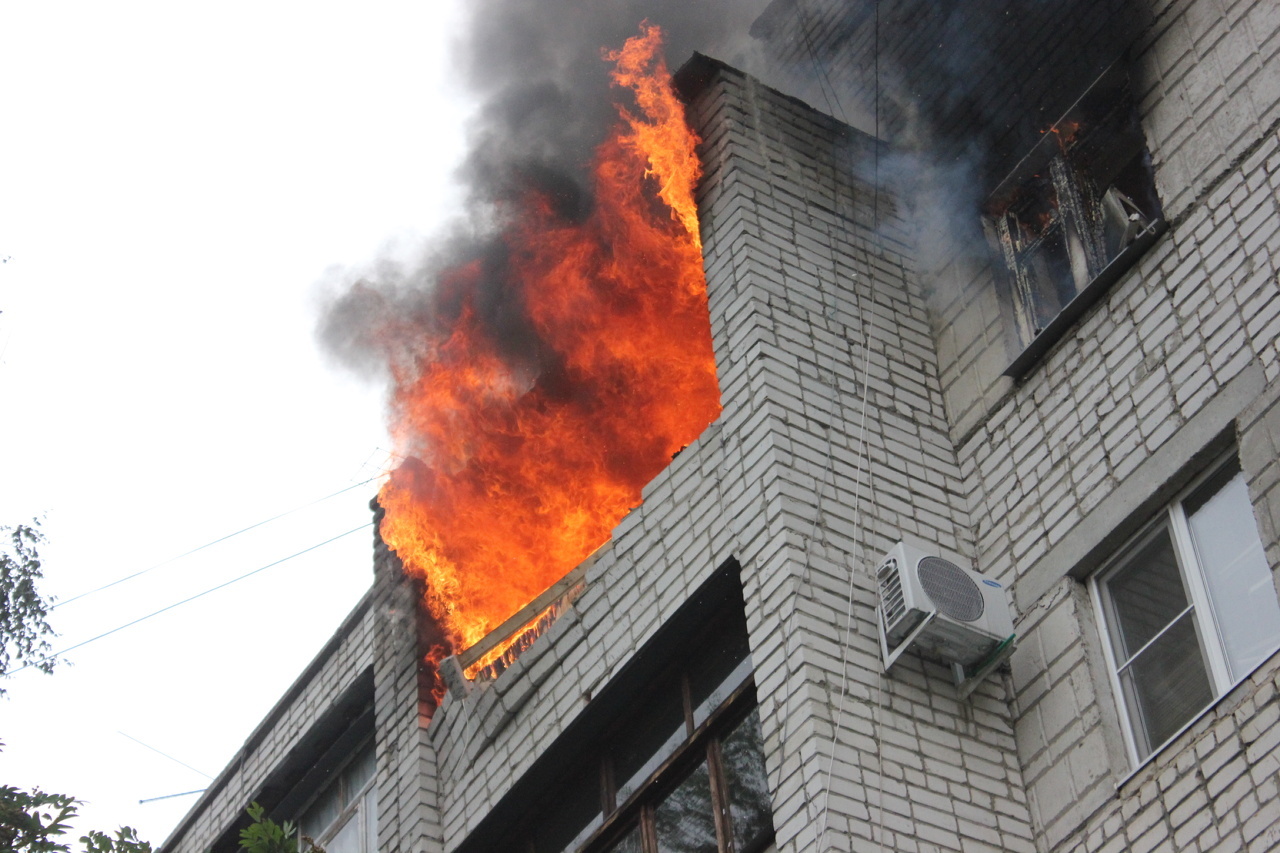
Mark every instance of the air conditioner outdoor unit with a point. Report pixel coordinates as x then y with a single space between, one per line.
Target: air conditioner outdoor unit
945 611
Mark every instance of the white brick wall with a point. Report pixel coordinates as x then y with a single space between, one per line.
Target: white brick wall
379 634
1037 482
796 280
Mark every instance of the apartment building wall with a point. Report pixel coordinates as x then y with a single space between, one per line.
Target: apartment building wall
832 445
861 353
365 678
1175 365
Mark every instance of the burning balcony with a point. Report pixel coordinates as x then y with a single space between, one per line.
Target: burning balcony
501 647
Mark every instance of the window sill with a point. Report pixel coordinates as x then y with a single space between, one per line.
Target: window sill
1084 300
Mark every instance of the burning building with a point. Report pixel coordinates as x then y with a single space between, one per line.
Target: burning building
968 544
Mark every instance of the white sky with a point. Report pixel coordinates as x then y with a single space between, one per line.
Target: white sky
174 180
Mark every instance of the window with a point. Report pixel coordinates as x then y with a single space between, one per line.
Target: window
343 818
1189 608
683 772
1074 215
668 759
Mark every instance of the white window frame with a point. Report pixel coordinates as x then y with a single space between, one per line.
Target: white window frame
1173 519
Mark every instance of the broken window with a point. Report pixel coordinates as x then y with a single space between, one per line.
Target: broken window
1074 214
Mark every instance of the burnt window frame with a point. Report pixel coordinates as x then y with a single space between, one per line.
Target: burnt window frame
1088 175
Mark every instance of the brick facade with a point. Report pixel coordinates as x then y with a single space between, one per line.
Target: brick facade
860 357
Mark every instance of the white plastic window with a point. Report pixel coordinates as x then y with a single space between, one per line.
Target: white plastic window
1190 610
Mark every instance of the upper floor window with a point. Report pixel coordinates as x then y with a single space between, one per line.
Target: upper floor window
1189 608
1074 215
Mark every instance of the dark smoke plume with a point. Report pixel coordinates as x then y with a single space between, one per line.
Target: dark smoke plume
544 105
960 90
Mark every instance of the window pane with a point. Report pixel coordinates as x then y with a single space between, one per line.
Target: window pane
1237 574
629 843
370 808
684 820
652 735
323 812
749 807
1146 595
1166 685
348 838
359 771
574 814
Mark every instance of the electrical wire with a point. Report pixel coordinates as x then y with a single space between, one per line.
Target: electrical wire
170 796
166 755
860 453
210 544
187 600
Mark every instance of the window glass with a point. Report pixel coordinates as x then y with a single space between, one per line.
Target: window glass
1190 610
650 736
574 814
370 808
1076 211
343 819
1166 684
1236 572
629 843
685 820
359 771
1146 595
750 810
323 812
347 839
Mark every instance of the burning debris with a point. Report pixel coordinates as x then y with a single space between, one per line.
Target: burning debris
552 372
1082 197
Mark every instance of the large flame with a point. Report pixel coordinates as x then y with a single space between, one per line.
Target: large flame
521 477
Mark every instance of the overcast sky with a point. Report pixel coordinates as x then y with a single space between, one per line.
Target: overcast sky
174 181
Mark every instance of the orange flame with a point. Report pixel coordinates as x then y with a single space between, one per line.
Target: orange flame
1066 131
520 477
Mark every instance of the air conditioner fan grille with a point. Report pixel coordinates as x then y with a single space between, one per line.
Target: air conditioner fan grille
950 589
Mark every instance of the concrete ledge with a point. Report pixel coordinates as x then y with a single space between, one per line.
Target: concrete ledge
1153 483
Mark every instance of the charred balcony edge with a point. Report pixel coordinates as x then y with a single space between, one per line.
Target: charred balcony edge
562 592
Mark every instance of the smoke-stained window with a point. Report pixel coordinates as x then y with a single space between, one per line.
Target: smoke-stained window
1074 214
668 758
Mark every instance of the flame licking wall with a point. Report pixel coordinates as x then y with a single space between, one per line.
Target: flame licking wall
555 352
523 476
506 374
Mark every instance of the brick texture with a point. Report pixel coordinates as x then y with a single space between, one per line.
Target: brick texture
860 354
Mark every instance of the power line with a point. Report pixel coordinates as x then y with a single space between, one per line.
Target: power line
187 600
166 755
211 544
186 793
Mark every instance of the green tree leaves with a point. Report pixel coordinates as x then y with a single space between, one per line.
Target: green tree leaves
24 625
